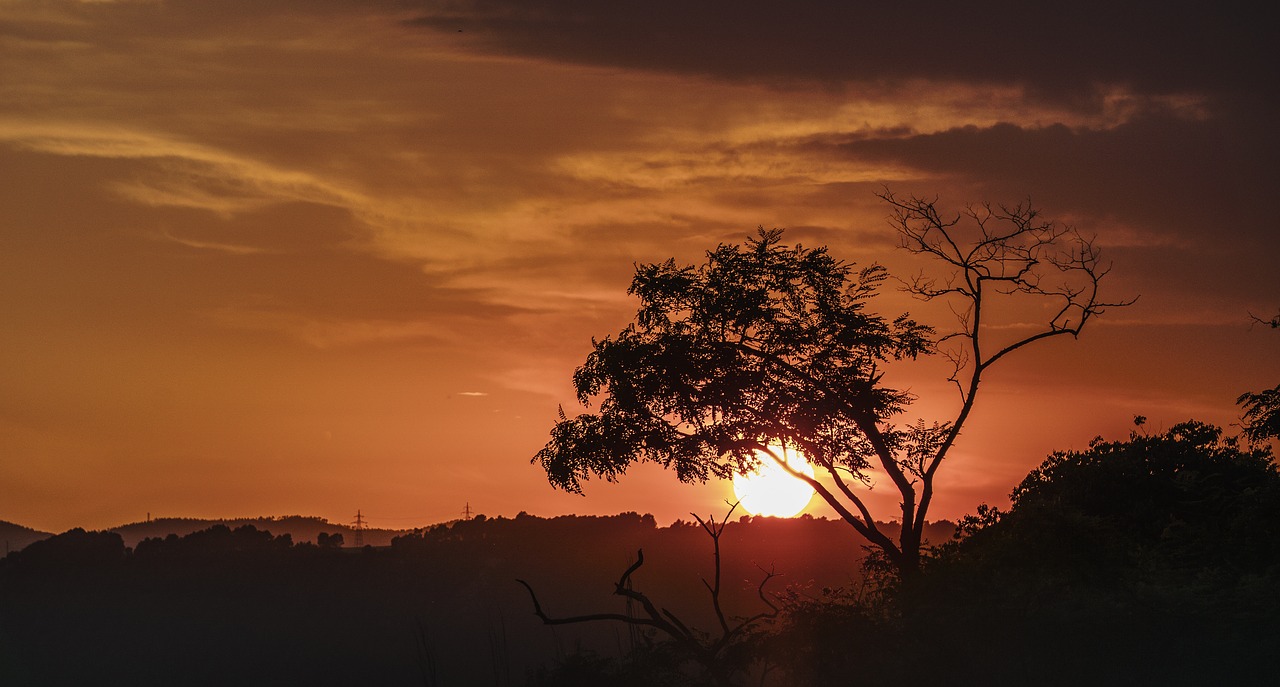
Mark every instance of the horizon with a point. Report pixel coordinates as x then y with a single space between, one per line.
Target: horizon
289 257
160 520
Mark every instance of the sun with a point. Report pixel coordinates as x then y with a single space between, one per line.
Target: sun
770 490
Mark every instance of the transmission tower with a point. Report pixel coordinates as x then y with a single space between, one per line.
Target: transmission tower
466 512
359 528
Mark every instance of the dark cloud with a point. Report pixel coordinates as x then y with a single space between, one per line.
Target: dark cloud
1170 174
1053 48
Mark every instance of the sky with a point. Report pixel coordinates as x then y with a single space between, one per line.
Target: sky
313 257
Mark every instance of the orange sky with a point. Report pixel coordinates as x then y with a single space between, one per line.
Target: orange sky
266 258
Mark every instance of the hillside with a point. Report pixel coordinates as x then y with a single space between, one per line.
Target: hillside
16 537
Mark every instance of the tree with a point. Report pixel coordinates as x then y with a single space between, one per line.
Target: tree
1176 501
1261 420
329 541
769 345
1150 560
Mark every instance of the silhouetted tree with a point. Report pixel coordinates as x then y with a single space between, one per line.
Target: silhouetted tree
1261 420
1261 414
1152 560
1185 496
329 541
767 344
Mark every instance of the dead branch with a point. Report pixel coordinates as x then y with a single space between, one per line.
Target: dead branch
1007 251
708 652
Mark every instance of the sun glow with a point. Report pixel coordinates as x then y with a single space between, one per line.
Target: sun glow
771 490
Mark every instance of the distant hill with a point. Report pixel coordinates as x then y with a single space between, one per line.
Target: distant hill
16 537
300 527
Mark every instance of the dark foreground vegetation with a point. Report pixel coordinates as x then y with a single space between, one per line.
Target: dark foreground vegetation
241 606
1153 561
1149 561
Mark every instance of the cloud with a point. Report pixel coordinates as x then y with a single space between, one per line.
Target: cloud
187 174
1053 49
327 333
231 248
1155 171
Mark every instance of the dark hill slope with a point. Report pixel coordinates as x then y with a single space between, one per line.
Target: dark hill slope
16 537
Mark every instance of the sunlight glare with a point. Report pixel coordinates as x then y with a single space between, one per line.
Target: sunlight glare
771 491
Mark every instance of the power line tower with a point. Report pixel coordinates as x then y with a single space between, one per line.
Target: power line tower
359 528
466 512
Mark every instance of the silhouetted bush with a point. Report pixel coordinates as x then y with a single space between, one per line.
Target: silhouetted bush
1148 561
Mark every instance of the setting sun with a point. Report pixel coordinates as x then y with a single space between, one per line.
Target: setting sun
770 490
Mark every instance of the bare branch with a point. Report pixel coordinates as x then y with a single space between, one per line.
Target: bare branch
714 530
710 653
866 526
621 588
1274 322
1011 252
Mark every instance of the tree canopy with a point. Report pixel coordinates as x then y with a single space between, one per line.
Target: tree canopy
1181 501
1149 560
763 343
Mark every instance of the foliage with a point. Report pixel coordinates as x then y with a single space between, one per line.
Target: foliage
1261 414
1185 507
768 344
1147 561
762 342
1261 420
1155 556
325 540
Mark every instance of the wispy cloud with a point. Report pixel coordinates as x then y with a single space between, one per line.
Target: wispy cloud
325 333
230 248
186 173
